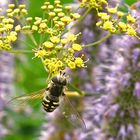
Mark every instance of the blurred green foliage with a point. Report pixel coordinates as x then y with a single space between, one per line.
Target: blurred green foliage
130 2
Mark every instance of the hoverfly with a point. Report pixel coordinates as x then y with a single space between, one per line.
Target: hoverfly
52 95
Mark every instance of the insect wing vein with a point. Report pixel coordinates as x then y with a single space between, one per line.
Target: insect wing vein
23 99
71 113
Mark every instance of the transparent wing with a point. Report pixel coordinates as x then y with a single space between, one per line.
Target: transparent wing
33 98
70 112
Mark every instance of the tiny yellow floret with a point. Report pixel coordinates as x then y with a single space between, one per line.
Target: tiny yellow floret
71 37
64 41
17 28
123 26
112 10
66 19
99 23
120 14
131 19
29 19
50 6
70 50
43 25
71 65
57 10
75 15
61 14
104 16
22 6
107 25
48 44
68 7
131 31
34 28
55 39
79 62
58 47
52 14
11 5
40 53
76 47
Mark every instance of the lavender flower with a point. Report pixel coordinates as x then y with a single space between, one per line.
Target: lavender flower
6 86
114 115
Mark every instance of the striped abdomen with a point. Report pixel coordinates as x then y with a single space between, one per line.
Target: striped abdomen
49 104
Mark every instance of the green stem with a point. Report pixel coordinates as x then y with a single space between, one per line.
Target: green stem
16 2
41 39
48 78
33 40
45 68
20 51
97 42
25 43
92 94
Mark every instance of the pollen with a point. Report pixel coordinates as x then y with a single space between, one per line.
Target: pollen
112 10
131 19
76 47
108 25
43 25
17 28
52 14
40 53
120 14
71 65
131 31
48 44
71 37
64 41
123 26
34 28
61 14
66 19
75 15
79 62
55 39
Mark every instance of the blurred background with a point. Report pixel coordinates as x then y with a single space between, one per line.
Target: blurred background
108 62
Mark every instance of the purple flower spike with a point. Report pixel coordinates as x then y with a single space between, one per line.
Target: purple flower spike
137 90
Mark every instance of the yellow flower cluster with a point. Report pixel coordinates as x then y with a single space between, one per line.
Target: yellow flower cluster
57 46
58 51
95 4
56 18
113 21
8 34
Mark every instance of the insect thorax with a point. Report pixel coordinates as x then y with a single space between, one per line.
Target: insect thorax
56 90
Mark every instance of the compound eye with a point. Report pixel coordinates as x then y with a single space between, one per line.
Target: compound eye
55 79
64 82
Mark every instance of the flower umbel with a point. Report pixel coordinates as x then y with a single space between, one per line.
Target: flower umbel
58 51
113 21
8 34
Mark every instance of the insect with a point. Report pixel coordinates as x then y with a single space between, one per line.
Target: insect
52 95
53 92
